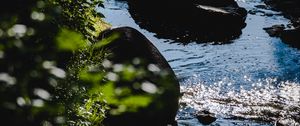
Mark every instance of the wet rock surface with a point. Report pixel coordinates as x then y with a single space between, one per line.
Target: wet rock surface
205 117
191 20
275 30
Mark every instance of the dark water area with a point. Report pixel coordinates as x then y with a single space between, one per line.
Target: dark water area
251 80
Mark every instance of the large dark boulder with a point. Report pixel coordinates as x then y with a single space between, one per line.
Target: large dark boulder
204 20
129 45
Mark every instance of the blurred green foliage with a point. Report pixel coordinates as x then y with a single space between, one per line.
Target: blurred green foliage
53 70
114 89
80 15
37 39
68 40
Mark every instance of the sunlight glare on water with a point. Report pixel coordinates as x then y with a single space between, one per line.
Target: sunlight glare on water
268 100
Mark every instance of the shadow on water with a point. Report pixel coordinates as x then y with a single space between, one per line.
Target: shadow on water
254 80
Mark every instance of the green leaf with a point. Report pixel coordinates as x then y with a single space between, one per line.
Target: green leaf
94 78
136 101
106 41
108 91
68 40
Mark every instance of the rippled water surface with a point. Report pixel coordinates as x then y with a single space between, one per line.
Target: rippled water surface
252 80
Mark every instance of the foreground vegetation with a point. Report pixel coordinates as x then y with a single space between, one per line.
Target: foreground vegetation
53 70
38 38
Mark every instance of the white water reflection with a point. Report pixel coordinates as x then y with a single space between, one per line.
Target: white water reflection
267 100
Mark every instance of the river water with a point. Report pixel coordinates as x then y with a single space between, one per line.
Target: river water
252 80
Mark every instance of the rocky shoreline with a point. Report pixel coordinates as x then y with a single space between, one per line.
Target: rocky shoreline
192 20
291 10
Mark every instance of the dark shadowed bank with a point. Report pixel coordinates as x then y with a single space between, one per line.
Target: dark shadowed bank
291 10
